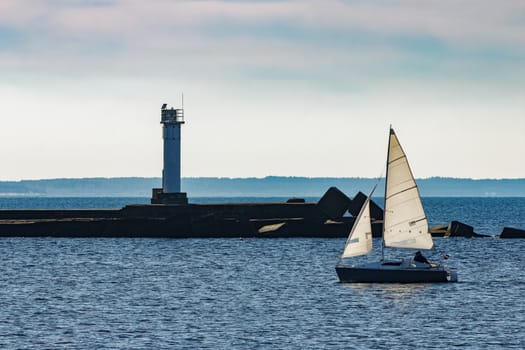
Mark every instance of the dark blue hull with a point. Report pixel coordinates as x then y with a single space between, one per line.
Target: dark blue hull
384 273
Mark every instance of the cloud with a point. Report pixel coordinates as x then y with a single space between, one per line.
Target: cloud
322 42
462 20
333 72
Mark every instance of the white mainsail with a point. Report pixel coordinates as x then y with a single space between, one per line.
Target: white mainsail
359 240
405 222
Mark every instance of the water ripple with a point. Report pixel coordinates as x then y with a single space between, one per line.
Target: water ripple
245 294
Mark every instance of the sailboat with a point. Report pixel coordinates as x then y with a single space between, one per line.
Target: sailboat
405 226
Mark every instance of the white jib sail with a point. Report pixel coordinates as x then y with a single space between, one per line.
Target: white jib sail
359 240
405 222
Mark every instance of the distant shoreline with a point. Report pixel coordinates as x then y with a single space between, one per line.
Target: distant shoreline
271 186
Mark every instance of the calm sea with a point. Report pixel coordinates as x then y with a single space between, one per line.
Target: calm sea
257 293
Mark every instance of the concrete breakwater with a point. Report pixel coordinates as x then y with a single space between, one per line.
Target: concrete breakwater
175 221
332 216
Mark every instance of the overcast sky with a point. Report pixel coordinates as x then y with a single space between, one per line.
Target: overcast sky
293 88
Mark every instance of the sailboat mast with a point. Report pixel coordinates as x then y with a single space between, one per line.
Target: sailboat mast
384 199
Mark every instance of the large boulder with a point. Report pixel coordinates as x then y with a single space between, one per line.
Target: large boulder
334 203
509 232
376 212
438 230
459 229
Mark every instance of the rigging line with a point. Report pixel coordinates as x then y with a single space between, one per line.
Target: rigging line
380 175
390 133
408 220
406 189
418 220
383 169
378 179
398 158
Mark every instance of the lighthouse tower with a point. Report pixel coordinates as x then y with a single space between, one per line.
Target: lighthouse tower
170 193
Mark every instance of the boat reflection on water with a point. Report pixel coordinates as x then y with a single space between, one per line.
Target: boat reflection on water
388 290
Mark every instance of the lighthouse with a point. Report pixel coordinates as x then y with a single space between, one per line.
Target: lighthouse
170 193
